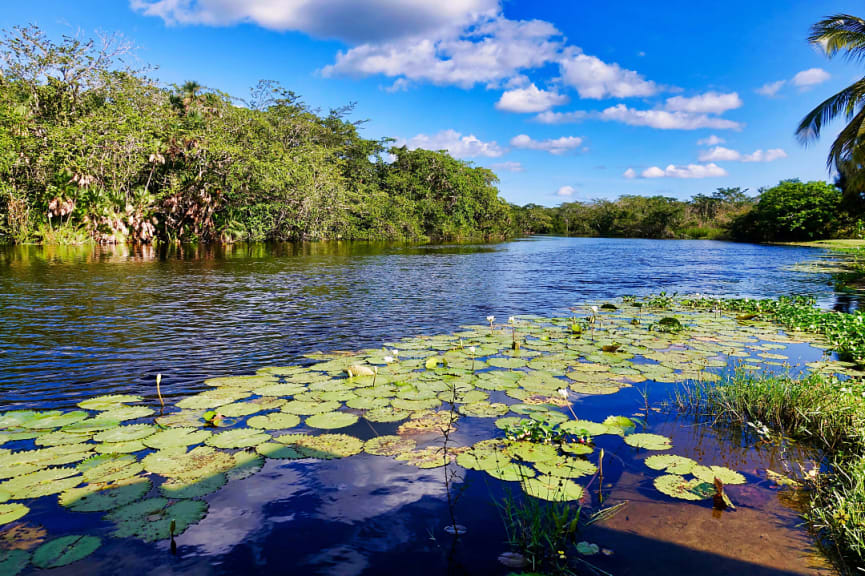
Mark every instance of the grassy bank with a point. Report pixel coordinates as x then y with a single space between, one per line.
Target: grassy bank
825 412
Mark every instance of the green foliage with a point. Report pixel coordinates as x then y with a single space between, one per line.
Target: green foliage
92 150
790 211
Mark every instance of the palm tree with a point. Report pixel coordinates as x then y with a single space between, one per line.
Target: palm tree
841 33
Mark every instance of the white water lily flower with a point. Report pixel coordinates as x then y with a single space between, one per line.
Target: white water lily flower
388 359
395 352
563 392
511 320
594 309
491 318
472 349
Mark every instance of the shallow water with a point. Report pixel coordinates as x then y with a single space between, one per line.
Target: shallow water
77 323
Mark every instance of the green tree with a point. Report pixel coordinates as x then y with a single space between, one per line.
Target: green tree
791 211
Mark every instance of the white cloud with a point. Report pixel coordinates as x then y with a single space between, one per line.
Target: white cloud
630 173
593 78
491 52
771 88
350 20
553 146
508 167
455 143
672 171
811 77
529 99
721 154
399 85
566 191
708 103
666 120
550 117
710 141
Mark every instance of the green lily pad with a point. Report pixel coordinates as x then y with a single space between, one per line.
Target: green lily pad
120 447
280 451
246 464
427 422
323 446
388 445
678 487
649 441
576 448
177 463
65 550
238 438
176 437
432 457
13 562
104 497
671 463
309 408
274 421
386 414
12 512
126 433
585 427
510 472
507 363
587 549
566 467
91 425
110 467
725 475
552 489
54 419
150 520
192 488
108 402
123 413
60 438
41 483
331 420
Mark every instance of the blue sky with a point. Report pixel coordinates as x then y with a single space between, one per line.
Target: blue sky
565 100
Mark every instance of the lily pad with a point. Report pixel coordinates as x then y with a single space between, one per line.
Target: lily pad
331 420
388 445
104 497
274 421
54 419
280 451
65 550
725 475
13 562
108 402
238 438
176 437
678 487
309 408
151 520
484 409
91 425
553 489
323 446
246 463
432 457
41 483
120 447
126 433
110 467
123 413
12 512
649 441
671 463
192 488
198 462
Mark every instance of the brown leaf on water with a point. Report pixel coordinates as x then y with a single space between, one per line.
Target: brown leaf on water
22 537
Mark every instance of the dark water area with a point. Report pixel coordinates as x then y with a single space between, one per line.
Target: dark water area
79 322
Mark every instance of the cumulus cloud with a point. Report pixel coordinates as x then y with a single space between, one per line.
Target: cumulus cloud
712 140
455 143
811 77
529 99
348 20
771 88
665 119
673 171
708 103
508 167
553 146
630 173
721 154
596 79
490 52
550 117
566 191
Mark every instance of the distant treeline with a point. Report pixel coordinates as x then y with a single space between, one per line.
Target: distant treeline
790 211
92 149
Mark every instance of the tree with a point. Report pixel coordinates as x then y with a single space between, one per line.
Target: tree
842 33
791 211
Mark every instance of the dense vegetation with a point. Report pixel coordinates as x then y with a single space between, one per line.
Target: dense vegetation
93 149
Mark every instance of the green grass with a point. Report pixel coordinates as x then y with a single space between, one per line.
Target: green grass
825 412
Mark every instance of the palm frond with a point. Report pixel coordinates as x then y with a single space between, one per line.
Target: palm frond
849 141
844 103
841 32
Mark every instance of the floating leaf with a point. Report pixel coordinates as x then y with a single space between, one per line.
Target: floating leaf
41 483
553 489
110 467
587 549
192 488
671 463
120 447
109 402
239 438
246 463
126 433
65 550
388 445
678 487
323 446
566 467
198 462
176 437
280 451
151 520
274 421
432 457
124 413
12 512
725 475
91 425
13 562
649 441
331 420
309 408
484 409
60 438
104 497
54 419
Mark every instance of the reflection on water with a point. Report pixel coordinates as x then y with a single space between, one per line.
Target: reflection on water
83 320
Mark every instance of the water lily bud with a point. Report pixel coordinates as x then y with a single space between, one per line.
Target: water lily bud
472 349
